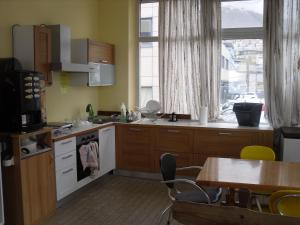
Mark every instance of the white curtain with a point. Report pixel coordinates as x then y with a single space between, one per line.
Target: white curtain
189 56
281 56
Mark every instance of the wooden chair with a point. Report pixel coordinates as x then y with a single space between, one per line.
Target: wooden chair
285 202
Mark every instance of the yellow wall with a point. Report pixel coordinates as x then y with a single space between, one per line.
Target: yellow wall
117 26
104 20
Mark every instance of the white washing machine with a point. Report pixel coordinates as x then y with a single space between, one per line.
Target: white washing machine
290 147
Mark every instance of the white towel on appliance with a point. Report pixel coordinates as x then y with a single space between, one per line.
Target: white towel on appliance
89 156
94 158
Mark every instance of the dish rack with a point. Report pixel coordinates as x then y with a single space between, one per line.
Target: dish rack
151 110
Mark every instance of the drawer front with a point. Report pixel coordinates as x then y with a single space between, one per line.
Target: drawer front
64 146
65 160
222 142
66 181
174 140
135 135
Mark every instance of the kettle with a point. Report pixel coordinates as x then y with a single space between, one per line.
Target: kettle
173 117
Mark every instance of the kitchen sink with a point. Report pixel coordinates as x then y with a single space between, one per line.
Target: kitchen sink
105 119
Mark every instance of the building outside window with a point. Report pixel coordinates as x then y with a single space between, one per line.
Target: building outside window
148 53
241 58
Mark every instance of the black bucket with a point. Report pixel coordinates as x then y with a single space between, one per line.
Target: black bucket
248 114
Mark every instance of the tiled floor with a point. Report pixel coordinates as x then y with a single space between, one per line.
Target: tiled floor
114 200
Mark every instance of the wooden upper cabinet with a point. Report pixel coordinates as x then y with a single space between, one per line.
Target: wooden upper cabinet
99 52
42 52
32 47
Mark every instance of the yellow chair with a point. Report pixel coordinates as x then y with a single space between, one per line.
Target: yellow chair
285 202
257 152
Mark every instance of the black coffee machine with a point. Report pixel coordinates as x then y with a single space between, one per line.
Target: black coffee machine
20 97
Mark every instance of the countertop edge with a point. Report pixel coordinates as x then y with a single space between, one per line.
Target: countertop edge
84 130
183 126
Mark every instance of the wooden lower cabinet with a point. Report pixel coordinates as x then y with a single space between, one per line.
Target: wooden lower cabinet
134 148
29 184
227 143
175 139
38 188
139 147
221 142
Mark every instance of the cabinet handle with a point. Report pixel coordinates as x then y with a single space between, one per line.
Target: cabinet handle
223 133
135 129
66 157
67 171
173 131
108 129
66 142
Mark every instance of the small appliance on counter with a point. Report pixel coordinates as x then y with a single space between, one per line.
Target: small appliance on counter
173 117
248 114
20 97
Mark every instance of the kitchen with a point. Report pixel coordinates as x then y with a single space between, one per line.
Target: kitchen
86 19
112 22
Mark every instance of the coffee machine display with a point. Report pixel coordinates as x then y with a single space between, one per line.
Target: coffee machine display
20 98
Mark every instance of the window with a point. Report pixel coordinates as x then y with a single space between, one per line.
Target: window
241 59
242 55
148 52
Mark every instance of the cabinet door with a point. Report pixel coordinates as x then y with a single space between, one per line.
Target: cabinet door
174 139
42 52
65 160
222 142
107 150
99 52
134 148
64 146
66 180
38 188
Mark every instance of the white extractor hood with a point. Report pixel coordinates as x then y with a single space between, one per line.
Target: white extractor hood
61 51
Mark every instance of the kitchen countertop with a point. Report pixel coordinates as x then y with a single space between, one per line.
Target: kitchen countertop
161 122
196 124
80 130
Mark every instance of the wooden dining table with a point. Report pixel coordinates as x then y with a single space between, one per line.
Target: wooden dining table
249 174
